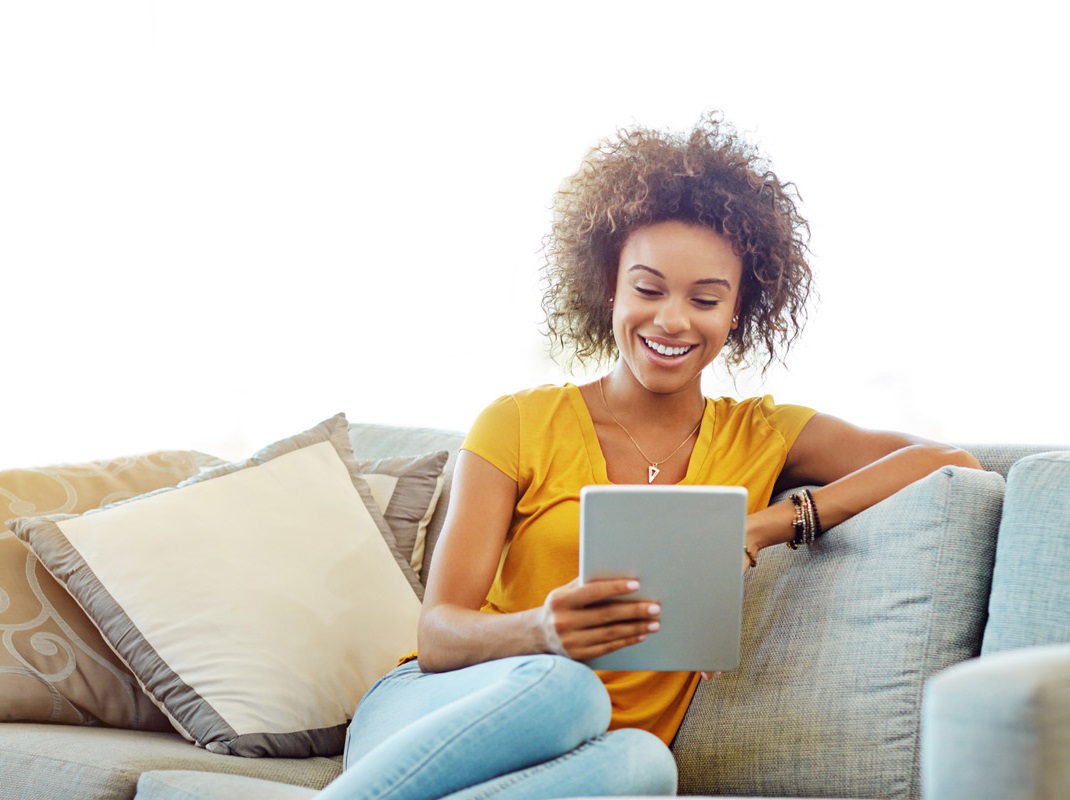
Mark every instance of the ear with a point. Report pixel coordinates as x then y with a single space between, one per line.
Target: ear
735 311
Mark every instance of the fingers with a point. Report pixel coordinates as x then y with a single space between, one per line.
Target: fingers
585 621
577 595
589 643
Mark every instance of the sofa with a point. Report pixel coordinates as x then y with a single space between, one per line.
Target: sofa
919 650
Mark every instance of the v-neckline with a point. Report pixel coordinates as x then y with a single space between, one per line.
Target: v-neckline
699 452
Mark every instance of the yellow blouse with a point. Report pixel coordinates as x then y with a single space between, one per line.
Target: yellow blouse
545 440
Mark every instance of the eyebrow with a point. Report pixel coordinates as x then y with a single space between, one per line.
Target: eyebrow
716 281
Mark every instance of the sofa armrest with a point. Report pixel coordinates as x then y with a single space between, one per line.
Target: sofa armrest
998 727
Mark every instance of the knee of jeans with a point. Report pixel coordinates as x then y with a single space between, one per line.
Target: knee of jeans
575 687
648 766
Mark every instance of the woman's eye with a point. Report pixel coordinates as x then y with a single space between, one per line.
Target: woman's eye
703 302
645 292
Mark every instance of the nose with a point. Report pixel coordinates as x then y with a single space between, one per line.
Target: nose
672 316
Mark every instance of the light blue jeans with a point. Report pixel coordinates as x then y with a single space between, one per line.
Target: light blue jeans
522 728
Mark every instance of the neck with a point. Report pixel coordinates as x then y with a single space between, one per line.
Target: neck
633 402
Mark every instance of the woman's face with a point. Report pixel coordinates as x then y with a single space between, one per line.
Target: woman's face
676 298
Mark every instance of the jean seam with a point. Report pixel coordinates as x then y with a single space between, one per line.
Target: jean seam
416 767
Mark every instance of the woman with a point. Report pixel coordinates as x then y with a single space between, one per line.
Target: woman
666 252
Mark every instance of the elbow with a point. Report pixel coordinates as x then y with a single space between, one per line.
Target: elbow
430 650
429 659
944 455
425 648
966 459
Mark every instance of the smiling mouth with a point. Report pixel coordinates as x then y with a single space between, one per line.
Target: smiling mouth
671 352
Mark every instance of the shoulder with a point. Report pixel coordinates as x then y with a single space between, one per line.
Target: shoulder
530 403
760 415
513 417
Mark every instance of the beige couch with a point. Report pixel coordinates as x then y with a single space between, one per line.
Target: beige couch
839 644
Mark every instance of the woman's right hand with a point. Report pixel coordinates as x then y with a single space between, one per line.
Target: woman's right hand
584 621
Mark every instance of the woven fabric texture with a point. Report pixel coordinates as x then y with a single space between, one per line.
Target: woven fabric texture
1030 603
838 640
184 785
62 762
1001 457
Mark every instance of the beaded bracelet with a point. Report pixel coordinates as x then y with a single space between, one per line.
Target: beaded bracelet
806 523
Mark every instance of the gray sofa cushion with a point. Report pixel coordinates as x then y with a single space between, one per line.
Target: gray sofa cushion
837 642
181 785
1001 457
1030 603
60 762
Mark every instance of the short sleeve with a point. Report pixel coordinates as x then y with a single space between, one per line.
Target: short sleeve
787 420
495 436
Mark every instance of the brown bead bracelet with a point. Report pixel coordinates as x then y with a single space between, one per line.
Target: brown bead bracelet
806 523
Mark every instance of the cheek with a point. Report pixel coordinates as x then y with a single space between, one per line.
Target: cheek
624 315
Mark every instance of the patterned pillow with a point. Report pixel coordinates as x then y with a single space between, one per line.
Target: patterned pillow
54 666
256 602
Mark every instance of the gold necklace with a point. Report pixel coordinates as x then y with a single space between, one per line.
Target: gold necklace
652 468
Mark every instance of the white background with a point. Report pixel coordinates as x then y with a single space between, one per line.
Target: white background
223 221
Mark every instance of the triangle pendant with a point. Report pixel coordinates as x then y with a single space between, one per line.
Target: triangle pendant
651 473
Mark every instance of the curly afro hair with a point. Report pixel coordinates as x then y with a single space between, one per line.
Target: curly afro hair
708 177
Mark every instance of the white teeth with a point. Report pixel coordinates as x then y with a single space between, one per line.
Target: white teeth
665 351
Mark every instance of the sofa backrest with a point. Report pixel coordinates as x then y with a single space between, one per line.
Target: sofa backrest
1001 457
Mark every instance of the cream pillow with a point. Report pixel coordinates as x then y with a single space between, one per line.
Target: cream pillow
255 603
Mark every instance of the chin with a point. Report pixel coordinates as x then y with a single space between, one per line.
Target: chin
668 384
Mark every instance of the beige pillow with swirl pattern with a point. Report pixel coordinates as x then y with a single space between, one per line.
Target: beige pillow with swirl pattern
54 665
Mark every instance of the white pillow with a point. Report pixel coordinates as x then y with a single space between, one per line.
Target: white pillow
255 603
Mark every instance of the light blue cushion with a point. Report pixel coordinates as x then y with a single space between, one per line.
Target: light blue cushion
1030 602
182 785
838 639
998 727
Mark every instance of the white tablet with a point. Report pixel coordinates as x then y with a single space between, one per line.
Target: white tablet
685 546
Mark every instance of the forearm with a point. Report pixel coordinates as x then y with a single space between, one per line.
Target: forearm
841 499
451 637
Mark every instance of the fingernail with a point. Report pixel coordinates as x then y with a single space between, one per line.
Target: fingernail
653 626
653 609
633 585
